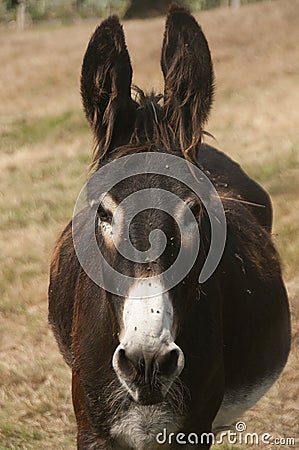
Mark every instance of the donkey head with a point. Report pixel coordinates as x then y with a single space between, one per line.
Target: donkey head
147 360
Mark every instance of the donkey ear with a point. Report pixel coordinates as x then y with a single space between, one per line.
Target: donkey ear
106 78
189 78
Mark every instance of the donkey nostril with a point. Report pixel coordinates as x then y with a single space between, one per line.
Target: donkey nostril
125 366
138 367
168 363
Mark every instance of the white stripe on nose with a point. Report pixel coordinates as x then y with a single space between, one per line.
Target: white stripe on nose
147 320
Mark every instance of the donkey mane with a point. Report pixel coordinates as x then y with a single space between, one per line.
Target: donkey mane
151 131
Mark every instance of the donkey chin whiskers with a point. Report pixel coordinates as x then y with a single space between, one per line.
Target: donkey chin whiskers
116 397
176 394
139 425
119 399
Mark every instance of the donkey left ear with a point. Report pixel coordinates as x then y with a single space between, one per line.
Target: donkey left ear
189 78
106 78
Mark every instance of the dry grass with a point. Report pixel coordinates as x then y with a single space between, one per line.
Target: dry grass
44 154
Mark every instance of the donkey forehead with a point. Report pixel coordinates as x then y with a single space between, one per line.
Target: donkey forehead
161 185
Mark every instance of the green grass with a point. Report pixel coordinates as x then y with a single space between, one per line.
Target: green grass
50 193
19 434
226 446
279 176
33 130
273 171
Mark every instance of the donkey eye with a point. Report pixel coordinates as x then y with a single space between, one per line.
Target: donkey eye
104 215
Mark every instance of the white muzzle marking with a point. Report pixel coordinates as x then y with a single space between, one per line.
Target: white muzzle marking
147 332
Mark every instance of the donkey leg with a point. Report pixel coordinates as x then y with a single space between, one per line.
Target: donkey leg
87 437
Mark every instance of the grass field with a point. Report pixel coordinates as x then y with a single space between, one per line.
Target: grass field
45 150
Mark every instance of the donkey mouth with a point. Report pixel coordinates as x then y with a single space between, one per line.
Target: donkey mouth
145 394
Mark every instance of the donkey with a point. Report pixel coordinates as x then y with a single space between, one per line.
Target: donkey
148 370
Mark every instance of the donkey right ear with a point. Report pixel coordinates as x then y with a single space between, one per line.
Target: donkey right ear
106 79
